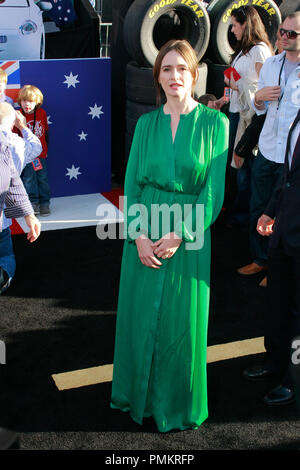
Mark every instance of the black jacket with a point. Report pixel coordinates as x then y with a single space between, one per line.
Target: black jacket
285 205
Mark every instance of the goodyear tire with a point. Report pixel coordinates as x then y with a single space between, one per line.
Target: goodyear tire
200 87
222 39
133 112
140 85
149 24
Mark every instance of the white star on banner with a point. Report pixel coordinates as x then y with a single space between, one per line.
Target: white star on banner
82 136
95 111
71 80
49 120
73 172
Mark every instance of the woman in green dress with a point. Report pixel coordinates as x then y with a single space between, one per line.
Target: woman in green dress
174 190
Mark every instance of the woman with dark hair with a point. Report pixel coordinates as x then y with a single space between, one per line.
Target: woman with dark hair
252 49
175 181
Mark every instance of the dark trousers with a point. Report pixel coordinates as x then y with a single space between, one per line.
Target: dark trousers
239 211
282 318
265 176
7 256
36 183
237 191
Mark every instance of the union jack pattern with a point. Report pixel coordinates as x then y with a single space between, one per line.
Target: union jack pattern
12 69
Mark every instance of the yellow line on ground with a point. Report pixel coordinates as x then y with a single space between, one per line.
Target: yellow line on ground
83 377
101 374
246 347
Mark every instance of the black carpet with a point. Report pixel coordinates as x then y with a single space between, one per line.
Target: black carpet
59 316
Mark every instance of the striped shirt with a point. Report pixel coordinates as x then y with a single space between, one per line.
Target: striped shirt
23 150
12 192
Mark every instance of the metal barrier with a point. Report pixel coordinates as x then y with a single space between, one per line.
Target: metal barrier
104 33
104 29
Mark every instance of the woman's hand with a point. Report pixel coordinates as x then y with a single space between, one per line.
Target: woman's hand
231 83
167 246
145 252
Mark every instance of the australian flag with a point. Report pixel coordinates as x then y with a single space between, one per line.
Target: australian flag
77 102
62 12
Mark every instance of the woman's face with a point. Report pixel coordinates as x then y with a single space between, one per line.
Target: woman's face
237 28
175 76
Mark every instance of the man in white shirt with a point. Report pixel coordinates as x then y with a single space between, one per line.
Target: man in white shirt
278 96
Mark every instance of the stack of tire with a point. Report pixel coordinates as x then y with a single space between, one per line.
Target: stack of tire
149 24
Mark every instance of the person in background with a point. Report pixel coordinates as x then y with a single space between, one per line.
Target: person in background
34 175
211 101
23 150
15 203
252 49
247 145
277 98
281 222
177 163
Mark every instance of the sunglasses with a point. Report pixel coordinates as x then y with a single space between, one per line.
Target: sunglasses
290 34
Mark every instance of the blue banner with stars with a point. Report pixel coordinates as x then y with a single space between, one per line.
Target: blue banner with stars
77 102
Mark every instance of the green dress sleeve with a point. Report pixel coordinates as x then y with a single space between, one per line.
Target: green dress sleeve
209 202
135 220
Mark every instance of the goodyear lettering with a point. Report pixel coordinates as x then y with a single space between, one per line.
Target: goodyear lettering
264 5
193 6
159 5
260 3
189 3
239 4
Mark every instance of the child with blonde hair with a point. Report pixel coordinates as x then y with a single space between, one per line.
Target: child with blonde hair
34 175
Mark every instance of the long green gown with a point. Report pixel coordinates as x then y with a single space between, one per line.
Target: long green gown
161 332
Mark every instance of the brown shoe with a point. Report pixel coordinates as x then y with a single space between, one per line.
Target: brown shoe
263 283
252 268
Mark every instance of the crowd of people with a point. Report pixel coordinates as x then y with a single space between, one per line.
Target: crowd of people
182 155
273 202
